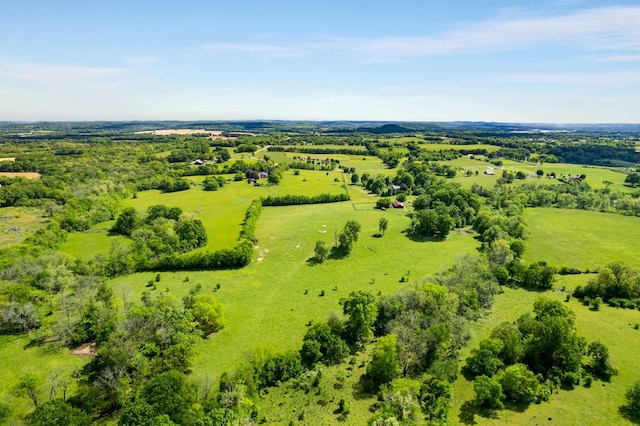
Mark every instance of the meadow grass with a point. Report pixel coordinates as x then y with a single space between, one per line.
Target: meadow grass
17 223
270 301
323 147
446 146
597 405
320 406
221 212
85 245
581 239
595 176
18 358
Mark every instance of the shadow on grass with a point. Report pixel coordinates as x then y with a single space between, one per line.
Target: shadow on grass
337 254
629 414
470 409
421 238
362 388
313 261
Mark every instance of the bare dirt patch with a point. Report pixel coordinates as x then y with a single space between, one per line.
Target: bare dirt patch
213 134
8 159
89 350
27 175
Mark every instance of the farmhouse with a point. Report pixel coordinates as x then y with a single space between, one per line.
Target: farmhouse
263 175
488 172
199 162
397 204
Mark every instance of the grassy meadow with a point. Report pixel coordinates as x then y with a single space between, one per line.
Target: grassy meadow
17 223
269 302
221 212
595 176
597 405
581 239
46 362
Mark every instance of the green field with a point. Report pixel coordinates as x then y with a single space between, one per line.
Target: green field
582 239
597 405
45 362
266 301
220 211
17 223
595 176
446 146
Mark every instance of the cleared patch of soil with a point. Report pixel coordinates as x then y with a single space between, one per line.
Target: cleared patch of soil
89 350
27 175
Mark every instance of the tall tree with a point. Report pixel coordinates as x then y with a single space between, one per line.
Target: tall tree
362 310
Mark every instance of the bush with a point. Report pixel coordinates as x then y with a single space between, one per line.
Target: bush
633 400
383 203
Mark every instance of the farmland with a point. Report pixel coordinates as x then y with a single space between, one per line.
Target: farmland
94 251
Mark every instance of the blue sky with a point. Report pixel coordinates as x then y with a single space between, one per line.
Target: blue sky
557 61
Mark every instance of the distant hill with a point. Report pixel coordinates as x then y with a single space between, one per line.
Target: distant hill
384 129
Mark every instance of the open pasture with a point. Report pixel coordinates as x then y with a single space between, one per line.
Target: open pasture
596 177
446 146
17 223
85 245
269 302
581 239
44 362
597 405
220 211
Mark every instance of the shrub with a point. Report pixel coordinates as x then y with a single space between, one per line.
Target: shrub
383 203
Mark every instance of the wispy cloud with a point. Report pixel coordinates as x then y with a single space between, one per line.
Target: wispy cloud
596 29
55 76
617 58
604 79
268 49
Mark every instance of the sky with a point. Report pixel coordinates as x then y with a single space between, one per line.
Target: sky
548 61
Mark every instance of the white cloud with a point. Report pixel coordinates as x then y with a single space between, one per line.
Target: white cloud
606 28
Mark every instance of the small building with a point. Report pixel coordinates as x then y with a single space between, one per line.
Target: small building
263 175
396 187
489 172
397 204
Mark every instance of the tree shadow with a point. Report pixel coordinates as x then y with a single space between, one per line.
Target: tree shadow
470 409
362 388
628 414
342 417
337 254
423 239
467 374
313 261
518 407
